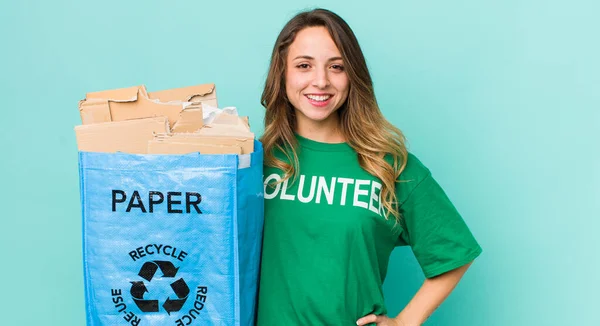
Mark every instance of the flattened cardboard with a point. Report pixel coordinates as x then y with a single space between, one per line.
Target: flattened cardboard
96 108
130 136
144 108
128 94
246 144
216 130
206 93
231 120
135 103
227 125
94 112
169 147
190 120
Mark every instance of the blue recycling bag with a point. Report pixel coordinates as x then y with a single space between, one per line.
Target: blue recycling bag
171 239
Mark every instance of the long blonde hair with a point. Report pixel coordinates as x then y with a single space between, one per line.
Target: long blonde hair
364 127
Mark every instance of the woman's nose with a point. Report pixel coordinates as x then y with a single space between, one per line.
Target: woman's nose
321 79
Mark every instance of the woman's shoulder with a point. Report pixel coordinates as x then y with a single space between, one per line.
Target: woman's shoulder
411 176
414 169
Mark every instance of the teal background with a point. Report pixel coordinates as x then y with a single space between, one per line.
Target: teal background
500 99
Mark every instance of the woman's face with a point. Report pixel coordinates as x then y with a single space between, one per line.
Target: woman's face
316 83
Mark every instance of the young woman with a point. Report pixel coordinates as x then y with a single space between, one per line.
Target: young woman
341 191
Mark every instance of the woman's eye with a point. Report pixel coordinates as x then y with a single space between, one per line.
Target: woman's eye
338 67
303 66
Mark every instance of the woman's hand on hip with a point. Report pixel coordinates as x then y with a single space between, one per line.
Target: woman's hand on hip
379 320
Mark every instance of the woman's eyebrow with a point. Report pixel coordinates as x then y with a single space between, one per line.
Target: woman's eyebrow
304 57
307 57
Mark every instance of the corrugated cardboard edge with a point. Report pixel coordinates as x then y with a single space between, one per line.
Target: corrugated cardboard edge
216 130
144 107
174 147
128 94
129 136
135 103
94 111
205 93
190 120
246 144
95 108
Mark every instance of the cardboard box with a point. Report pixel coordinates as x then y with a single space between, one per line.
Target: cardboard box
130 136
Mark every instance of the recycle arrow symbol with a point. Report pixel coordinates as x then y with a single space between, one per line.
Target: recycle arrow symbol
149 269
147 272
181 290
137 292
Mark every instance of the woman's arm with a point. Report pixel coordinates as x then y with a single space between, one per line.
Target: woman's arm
431 294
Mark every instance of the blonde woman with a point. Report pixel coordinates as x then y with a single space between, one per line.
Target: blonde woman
341 191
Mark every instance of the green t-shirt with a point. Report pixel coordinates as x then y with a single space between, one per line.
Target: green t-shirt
327 243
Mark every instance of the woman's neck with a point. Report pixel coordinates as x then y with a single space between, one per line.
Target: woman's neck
326 131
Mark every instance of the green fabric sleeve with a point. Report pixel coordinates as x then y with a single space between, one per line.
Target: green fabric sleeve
435 231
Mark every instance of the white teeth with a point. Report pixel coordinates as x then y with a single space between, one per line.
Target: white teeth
320 98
